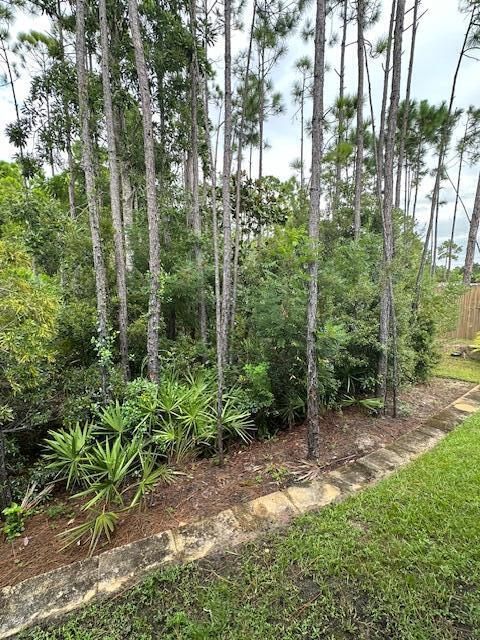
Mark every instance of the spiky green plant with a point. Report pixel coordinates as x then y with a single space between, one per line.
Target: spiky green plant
113 420
107 468
66 452
100 525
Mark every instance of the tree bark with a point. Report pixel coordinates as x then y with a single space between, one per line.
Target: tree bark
261 113
360 90
383 111
115 203
68 124
238 186
457 195
387 305
374 134
216 261
127 214
313 425
403 134
5 490
341 96
227 162
472 238
302 136
227 224
196 216
435 239
90 186
151 189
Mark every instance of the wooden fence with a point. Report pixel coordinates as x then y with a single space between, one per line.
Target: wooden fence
468 324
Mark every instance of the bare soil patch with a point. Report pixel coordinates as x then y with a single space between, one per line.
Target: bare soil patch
249 472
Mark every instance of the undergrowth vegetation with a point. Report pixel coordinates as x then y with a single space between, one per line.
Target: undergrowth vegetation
398 561
109 441
115 460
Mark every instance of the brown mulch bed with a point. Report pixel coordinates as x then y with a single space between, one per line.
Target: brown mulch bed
249 471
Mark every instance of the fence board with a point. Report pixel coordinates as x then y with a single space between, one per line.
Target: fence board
468 324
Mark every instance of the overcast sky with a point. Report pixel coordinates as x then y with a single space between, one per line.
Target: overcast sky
439 39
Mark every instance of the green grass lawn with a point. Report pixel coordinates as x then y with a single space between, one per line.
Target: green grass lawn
398 561
457 368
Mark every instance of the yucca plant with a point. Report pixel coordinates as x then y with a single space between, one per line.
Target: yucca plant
107 468
236 423
188 416
371 404
66 452
151 475
113 420
102 524
171 394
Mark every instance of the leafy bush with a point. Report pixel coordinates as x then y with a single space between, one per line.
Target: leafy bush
255 388
16 514
14 521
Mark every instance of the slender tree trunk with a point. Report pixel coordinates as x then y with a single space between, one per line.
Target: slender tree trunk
5 490
261 112
90 186
395 365
403 134
383 111
387 308
372 115
115 203
341 96
472 238
313 425
457 194
127 191
68 124
302 136
11 82
227 223
238 186
127 211
151 190
435 239
359 155
217 137
216 261
440 163
417 181
71 177
196 216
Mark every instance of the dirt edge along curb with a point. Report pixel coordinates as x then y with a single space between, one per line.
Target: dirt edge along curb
50 595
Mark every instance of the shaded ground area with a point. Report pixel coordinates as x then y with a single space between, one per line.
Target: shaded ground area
398 561
250 471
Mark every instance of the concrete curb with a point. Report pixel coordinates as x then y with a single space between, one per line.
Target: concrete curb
49 595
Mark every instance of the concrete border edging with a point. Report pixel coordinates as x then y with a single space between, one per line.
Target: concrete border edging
49 595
